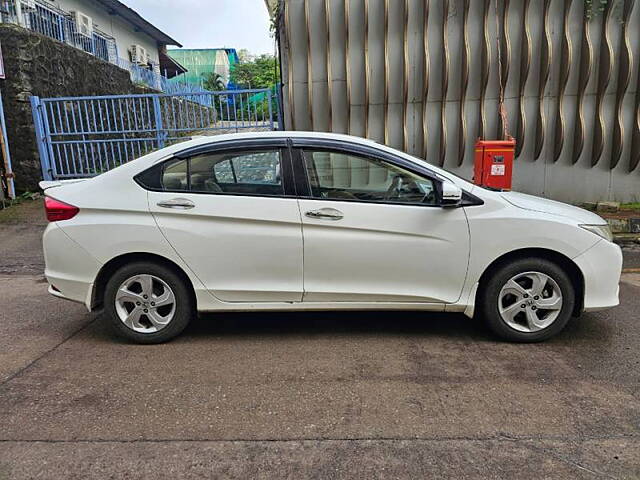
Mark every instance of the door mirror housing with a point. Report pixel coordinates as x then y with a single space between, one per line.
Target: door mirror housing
451 194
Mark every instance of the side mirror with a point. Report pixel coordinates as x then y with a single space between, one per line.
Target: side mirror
451 194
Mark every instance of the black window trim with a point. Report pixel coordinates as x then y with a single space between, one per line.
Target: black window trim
294 175
280 144
303 182
240 144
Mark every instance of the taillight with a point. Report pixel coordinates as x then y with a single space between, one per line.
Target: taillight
57 210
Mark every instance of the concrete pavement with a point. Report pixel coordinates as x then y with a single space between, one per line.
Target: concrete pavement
318 395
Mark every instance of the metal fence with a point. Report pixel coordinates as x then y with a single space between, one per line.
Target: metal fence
7 188
85 136
140 74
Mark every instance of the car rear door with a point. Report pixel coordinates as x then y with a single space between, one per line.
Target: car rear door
232 216
365 242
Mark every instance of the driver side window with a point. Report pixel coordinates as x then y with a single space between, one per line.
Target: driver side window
341 176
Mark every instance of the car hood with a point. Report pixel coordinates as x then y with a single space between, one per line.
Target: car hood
538 204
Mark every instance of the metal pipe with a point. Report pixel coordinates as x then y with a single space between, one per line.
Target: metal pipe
327 13
347 64
386 72
405 77
287 28
367 72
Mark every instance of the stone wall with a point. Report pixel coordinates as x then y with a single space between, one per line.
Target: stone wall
37 65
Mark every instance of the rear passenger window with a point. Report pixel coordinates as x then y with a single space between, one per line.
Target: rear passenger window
257 167
244 173
249 173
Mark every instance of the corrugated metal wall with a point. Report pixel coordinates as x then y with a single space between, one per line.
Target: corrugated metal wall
571 84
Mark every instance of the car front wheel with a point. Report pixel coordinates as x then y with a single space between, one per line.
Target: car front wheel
147 303
528 300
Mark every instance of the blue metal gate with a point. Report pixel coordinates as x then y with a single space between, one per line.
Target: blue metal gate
85 136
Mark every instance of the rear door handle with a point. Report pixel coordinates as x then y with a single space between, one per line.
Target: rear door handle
325 214
177 203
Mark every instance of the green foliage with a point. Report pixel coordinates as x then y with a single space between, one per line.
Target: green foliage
593 8
274 14
262 72
213 82
630 206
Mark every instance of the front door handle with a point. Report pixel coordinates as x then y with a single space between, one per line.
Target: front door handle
325 214
177 203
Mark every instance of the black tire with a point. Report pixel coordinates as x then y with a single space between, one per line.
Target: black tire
490 291
184 302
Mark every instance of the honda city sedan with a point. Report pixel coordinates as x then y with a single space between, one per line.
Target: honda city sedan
315 221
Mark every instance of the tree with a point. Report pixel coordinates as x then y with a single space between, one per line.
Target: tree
245 56
214 82
261 72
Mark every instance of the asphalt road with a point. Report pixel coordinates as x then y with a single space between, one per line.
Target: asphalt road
313 395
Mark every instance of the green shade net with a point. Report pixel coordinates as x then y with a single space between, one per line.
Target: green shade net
201 62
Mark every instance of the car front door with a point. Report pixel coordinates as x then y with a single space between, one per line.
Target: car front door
374 232
233 218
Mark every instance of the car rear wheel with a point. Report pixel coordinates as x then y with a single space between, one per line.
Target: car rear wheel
528 300
147 303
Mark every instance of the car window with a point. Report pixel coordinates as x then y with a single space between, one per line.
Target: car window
249 167
224 172
341 176
174 176
247 172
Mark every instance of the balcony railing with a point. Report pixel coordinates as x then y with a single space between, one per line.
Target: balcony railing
140 74
47 19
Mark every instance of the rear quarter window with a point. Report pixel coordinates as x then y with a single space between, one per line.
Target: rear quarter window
171 175
150 178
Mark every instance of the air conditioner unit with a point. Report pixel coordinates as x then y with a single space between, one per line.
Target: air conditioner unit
139 55
84 23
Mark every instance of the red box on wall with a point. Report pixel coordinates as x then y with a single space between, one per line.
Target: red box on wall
493 166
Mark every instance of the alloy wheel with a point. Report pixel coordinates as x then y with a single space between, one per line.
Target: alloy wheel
530 301
145 303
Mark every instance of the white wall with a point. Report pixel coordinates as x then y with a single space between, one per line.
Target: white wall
223 68
113 25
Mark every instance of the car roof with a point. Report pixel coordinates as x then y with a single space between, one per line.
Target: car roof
146 161
202 140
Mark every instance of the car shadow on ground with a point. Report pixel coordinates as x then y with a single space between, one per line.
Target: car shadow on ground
245 325
339 323
451 327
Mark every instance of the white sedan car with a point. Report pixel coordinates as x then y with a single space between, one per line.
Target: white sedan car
314 221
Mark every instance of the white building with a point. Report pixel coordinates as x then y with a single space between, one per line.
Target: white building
105 28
